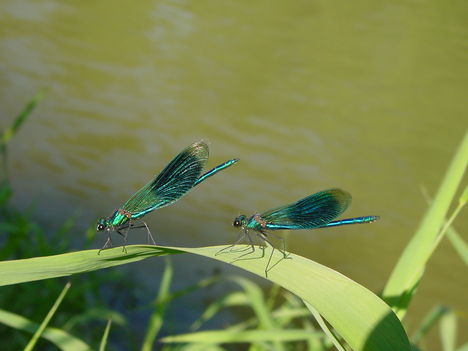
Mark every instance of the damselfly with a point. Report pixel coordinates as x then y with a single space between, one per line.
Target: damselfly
315 211
180 175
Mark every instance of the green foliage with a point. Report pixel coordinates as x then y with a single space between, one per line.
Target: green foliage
9 132
448 326
39 331
103 344
22 237
349 315
58 337
406 275
159 306
86 302
279 321
458 243
359 316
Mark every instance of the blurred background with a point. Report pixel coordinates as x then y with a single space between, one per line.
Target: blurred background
366 96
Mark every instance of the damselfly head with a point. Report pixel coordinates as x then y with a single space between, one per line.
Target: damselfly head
240 221
101 225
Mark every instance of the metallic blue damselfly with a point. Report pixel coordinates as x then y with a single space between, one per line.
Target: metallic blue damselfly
180 175
315 211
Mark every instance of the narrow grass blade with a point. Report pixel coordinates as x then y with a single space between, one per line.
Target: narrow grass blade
448 331
103 344
448 223
47 319
272 296
464 198
203 283
409 269
259 306
248 336
291 308
58 337
314 342
194 347
428 322
355 313
256 300
455 239
277 314
95 314
458 244
8 133
233 299
324 327
156 319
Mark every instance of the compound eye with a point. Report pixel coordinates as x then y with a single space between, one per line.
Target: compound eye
100 227
236 223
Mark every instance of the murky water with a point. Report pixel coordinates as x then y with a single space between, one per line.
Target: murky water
369 97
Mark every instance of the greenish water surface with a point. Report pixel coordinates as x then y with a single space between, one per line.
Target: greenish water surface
366 96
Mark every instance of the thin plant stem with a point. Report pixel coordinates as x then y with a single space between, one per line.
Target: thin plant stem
47 319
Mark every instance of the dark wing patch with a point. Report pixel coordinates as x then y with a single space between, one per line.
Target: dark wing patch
311 212
172 183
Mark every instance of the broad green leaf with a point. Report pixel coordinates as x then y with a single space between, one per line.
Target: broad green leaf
58 337
37 268
358 315
410 267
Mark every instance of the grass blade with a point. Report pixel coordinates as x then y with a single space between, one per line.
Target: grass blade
256 300
103 343
247 336
458 244
47 319
58 337
37 268
95 314
8 133
448 331
409 269
359 316
233 299
324 327
431 318
156 319
259 305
